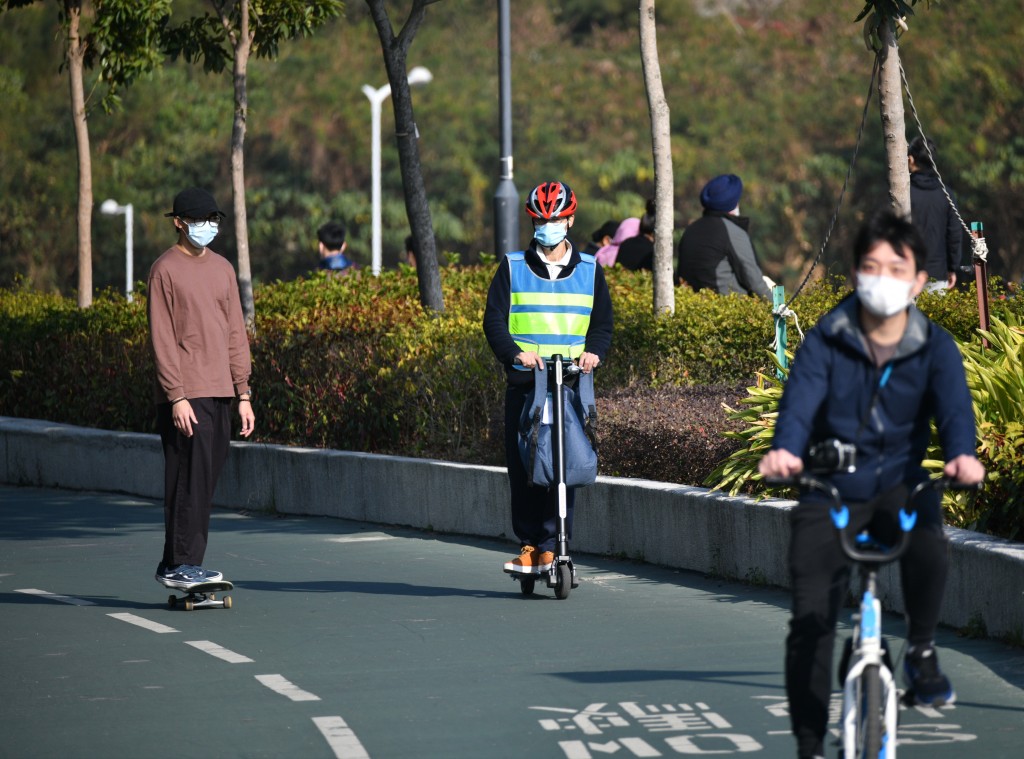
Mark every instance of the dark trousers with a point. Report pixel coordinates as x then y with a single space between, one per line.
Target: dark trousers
192 466
820 577
534 509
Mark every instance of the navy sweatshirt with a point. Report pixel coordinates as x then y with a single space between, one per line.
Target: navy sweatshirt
833 382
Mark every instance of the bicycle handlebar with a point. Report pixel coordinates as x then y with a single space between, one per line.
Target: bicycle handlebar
862 548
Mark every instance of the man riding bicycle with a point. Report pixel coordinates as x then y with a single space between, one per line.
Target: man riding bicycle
857 408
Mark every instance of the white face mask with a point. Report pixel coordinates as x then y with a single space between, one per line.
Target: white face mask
883 296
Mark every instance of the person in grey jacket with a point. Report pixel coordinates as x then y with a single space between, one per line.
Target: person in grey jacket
716 251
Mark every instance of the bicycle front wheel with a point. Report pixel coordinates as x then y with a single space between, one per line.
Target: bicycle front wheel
870 723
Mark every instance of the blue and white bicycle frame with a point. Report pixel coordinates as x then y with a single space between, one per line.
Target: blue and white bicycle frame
869 670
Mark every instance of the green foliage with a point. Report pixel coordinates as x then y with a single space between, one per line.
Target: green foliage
772 91
995 377
757 415
204 37
353 362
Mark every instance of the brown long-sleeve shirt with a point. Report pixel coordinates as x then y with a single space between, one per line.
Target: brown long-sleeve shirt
196 327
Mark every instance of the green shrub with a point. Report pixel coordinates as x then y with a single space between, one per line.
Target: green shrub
353 362
995 377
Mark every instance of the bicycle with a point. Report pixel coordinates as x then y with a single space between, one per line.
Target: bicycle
870 696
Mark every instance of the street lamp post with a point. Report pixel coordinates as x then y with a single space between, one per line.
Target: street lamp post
112 208
419 75
506 197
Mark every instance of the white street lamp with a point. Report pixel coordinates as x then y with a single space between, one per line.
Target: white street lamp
419 75
112 208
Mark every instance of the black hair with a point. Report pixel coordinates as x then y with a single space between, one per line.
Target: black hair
919 153
332 235
647 220
886 226
608 229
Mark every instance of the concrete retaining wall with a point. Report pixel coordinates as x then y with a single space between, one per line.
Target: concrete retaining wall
671 525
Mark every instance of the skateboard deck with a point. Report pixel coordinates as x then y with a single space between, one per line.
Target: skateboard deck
202 596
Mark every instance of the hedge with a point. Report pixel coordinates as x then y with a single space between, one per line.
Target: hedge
355 363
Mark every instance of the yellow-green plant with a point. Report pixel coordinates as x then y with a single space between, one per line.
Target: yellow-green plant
995 377
759 412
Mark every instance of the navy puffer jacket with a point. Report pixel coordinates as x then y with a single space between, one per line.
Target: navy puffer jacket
835 390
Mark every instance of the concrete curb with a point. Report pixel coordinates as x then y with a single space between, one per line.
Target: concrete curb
670 525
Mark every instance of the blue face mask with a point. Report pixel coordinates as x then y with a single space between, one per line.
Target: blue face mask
201 233
550 234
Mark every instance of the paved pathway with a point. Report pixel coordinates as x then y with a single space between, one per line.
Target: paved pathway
353 640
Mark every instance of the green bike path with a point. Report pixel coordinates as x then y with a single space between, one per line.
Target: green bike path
353 640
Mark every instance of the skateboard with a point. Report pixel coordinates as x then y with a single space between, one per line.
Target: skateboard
202 596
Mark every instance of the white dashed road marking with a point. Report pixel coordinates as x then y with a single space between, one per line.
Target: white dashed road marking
142 622
360 538
221 653
279 684
55 597
340 738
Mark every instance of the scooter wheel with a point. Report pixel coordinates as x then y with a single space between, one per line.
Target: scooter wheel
526 587
564 584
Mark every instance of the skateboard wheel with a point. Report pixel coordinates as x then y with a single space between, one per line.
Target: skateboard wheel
213 596
189 605
172 601
227 602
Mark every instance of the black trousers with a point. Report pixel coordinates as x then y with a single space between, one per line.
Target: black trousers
534 509
192 466
820 576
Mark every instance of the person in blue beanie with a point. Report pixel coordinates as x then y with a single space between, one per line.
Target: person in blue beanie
872 374
716 251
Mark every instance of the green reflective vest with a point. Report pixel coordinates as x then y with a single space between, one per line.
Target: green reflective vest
551 316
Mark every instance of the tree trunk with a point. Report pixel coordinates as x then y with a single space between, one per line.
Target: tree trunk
661 139
76 54
243 46
416 207
890 99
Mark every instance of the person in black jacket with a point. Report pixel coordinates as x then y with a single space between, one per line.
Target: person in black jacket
526 307
872 373
933 215
716 251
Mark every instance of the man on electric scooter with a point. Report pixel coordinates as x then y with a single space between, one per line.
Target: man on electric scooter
863 389
541 300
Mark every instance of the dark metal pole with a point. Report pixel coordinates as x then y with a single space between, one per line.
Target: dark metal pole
506 198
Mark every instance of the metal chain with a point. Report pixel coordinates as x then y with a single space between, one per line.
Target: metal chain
846 182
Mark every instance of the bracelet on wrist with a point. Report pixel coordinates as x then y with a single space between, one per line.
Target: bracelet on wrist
178 400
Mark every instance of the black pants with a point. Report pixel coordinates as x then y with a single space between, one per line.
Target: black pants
192 466
534 509
820 576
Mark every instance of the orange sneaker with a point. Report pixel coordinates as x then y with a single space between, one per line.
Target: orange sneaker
545 560
523 562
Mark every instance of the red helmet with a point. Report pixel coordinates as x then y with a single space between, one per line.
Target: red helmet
551 200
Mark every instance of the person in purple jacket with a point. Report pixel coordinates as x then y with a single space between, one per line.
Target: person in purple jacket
872 375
